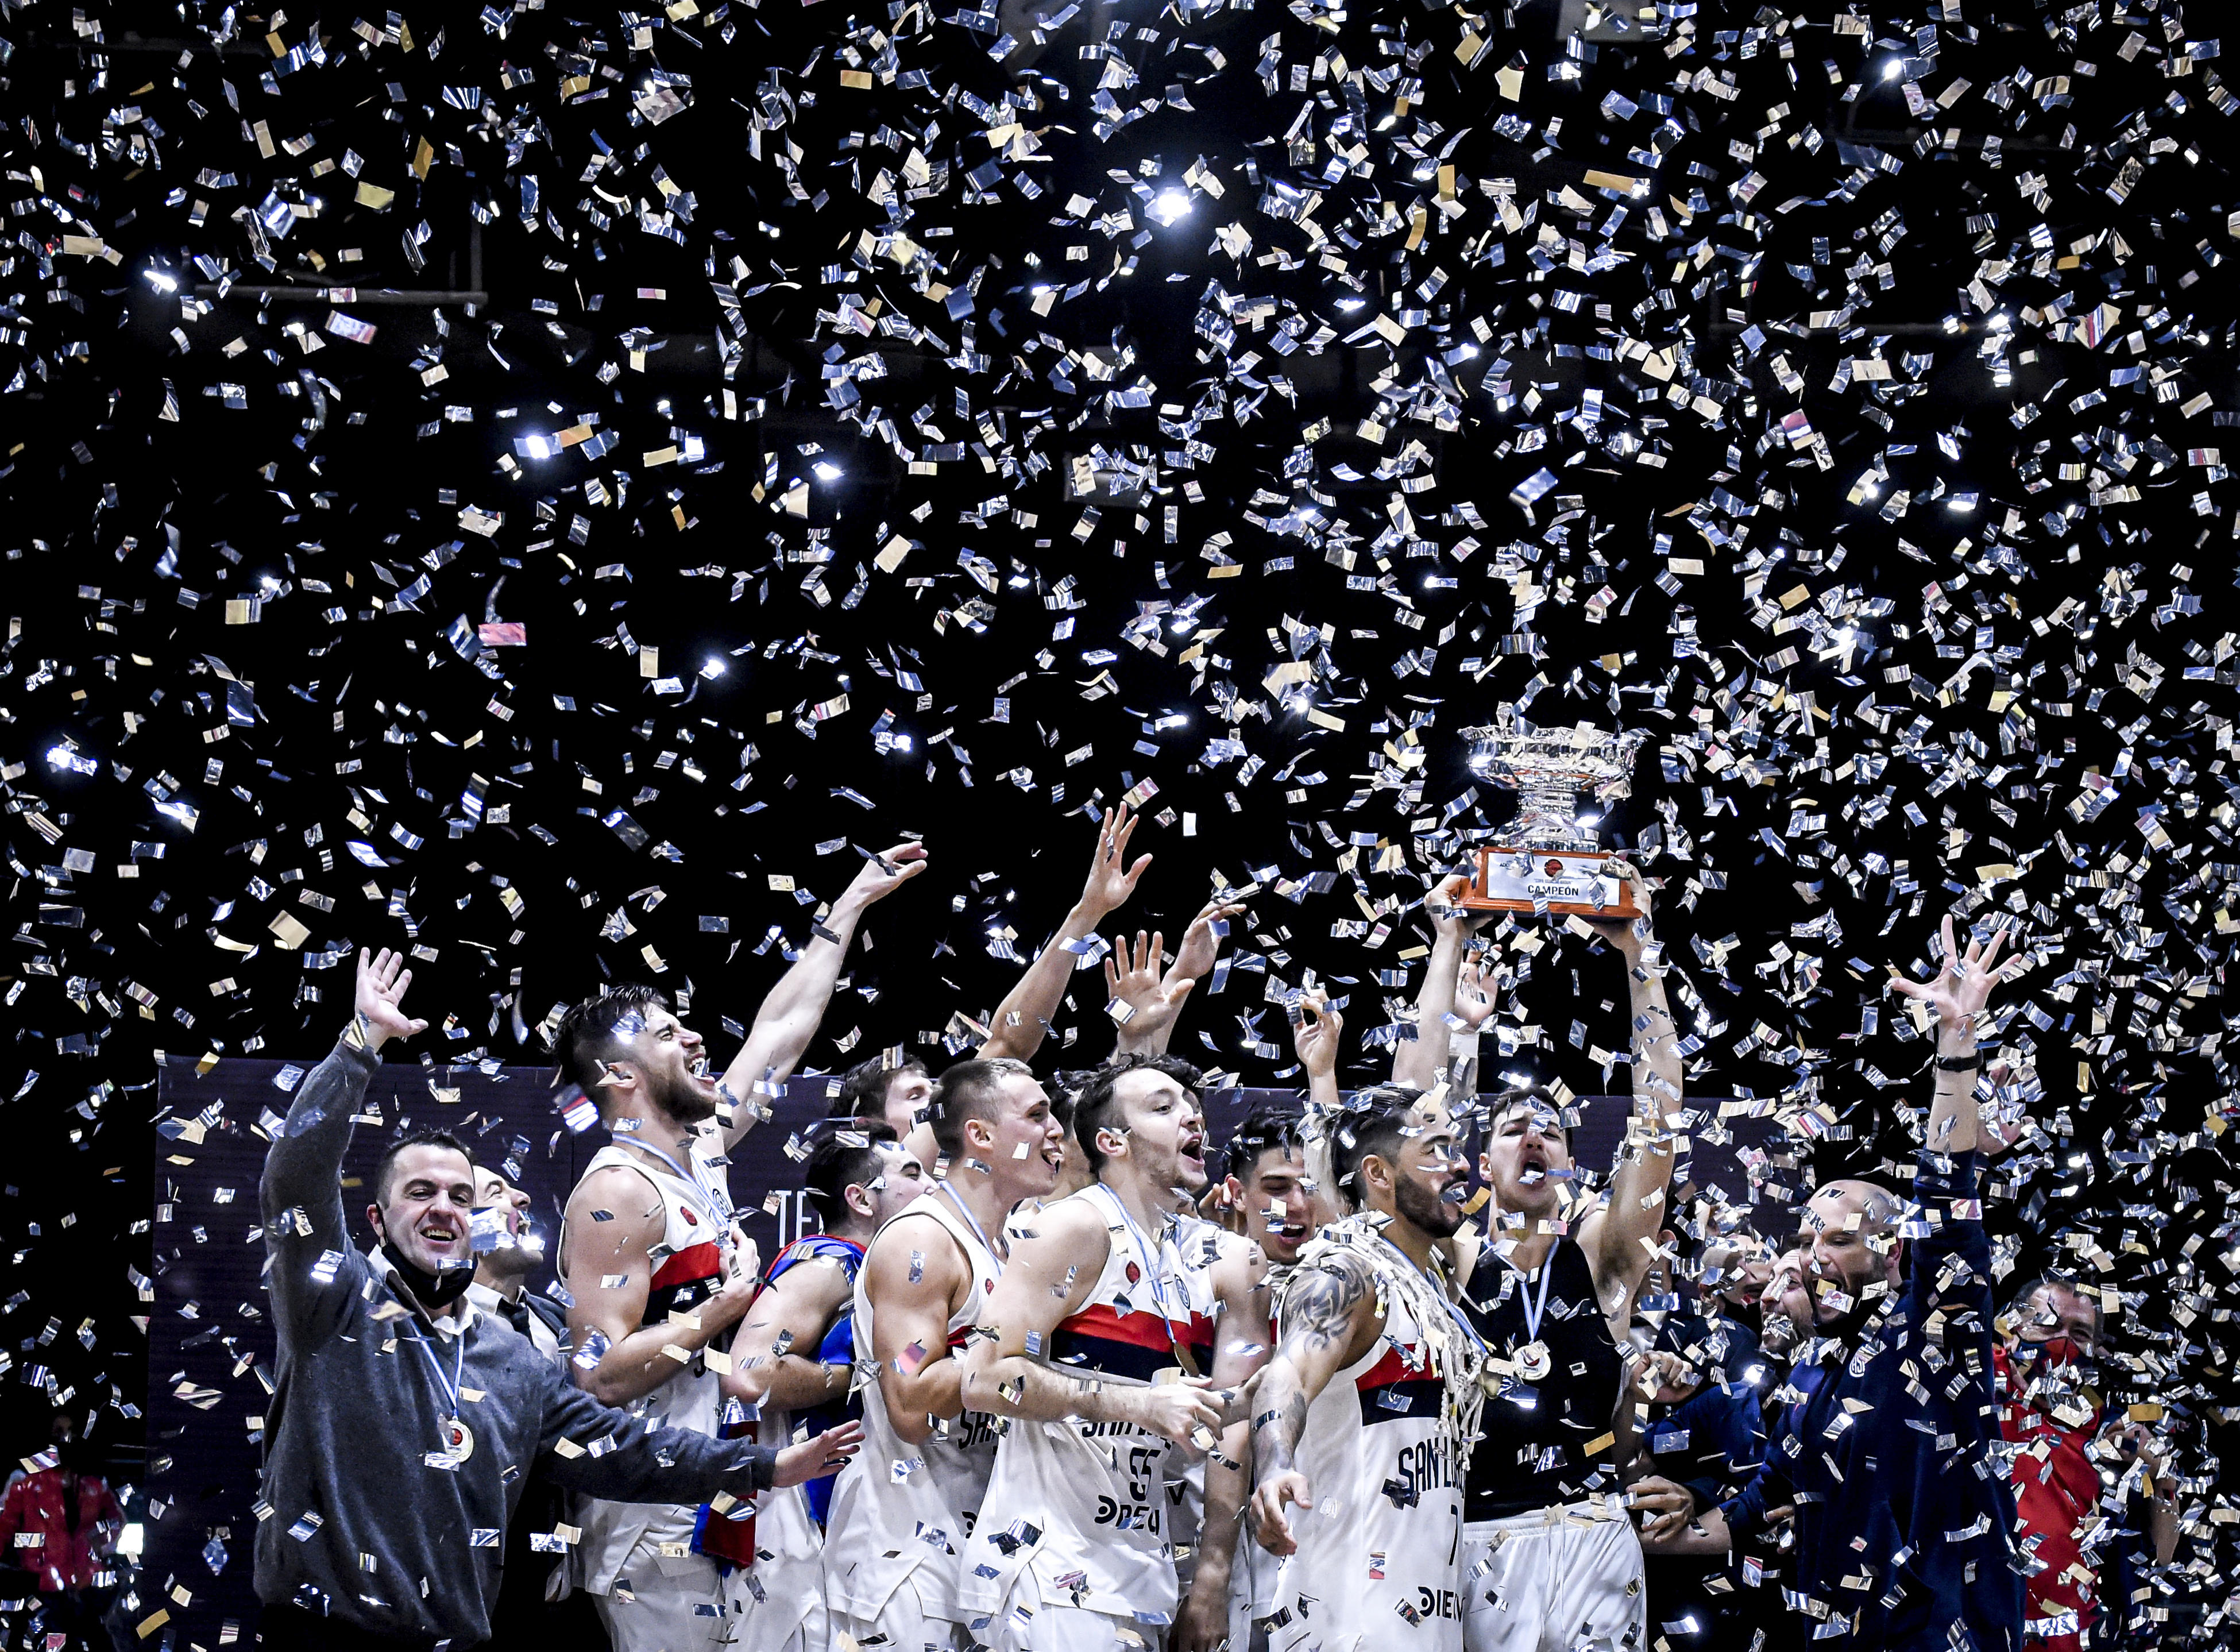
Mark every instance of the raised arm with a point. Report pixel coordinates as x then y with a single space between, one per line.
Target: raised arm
1316 1030
301 1194
1420 1062
790 1015
1330 1316
1023 1019
1618 1238
613 1222
1048 1278
1155 1001
914 1274
774 1354
1140 1002
1957 996
1474 1005
1949 1266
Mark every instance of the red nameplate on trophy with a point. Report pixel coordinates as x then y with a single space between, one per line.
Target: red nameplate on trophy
1518 880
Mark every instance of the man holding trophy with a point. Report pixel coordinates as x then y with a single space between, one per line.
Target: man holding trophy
1549 1556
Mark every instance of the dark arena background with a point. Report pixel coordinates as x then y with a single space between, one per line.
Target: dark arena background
552 488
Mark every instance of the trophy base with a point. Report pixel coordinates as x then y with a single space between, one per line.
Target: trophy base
1519 880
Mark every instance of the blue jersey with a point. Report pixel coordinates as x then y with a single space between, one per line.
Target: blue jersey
838 1346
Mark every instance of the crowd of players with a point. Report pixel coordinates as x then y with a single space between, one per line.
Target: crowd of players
1055 1373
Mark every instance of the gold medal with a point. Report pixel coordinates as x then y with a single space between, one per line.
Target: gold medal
1534 1362
458 1440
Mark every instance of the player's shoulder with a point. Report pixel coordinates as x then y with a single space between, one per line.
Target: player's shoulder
1235 1260
916 1237
1332 1275
1073 1220
614 1191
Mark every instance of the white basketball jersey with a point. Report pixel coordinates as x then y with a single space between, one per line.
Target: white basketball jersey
688 1268
1076 1512
1191 1248
901 1511
1378 1554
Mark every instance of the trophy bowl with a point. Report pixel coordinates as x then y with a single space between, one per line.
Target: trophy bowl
1547 861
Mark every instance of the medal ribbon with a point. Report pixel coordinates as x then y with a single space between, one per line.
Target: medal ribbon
1533 1313
718 1210
449 1386
973 1222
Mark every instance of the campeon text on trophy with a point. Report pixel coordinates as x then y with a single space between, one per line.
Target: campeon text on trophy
1549 861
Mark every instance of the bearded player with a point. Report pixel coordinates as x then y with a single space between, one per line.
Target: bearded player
1362 1421
659 1273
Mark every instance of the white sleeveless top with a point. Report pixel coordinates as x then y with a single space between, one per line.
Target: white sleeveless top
688 1268
1191 1248
1076 1512
901 1511
1385 1532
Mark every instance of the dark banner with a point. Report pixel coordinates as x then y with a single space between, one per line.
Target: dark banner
209 1348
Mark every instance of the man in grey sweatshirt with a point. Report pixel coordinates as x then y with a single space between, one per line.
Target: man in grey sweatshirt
404 1424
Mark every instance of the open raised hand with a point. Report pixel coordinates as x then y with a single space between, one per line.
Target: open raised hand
1132 974
1963 988
382 979
1111 880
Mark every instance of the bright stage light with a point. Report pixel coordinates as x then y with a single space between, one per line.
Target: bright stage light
1171 205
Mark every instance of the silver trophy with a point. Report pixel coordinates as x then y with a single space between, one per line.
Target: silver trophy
1549 861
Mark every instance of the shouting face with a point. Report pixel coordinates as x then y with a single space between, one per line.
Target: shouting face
1527 1157
667 1064
504 1238
1847 1248
1165 1129
1023 1144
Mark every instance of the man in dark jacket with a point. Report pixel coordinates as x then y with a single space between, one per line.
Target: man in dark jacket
405 1423
1905 1516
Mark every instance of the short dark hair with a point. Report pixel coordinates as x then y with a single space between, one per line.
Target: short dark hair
864 1091
1530 1095
847 1156
967 1091
1093 1103
1271 1125
586 1035
1374 1120
426 1135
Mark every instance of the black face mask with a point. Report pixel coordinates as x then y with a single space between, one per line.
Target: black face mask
432 1290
